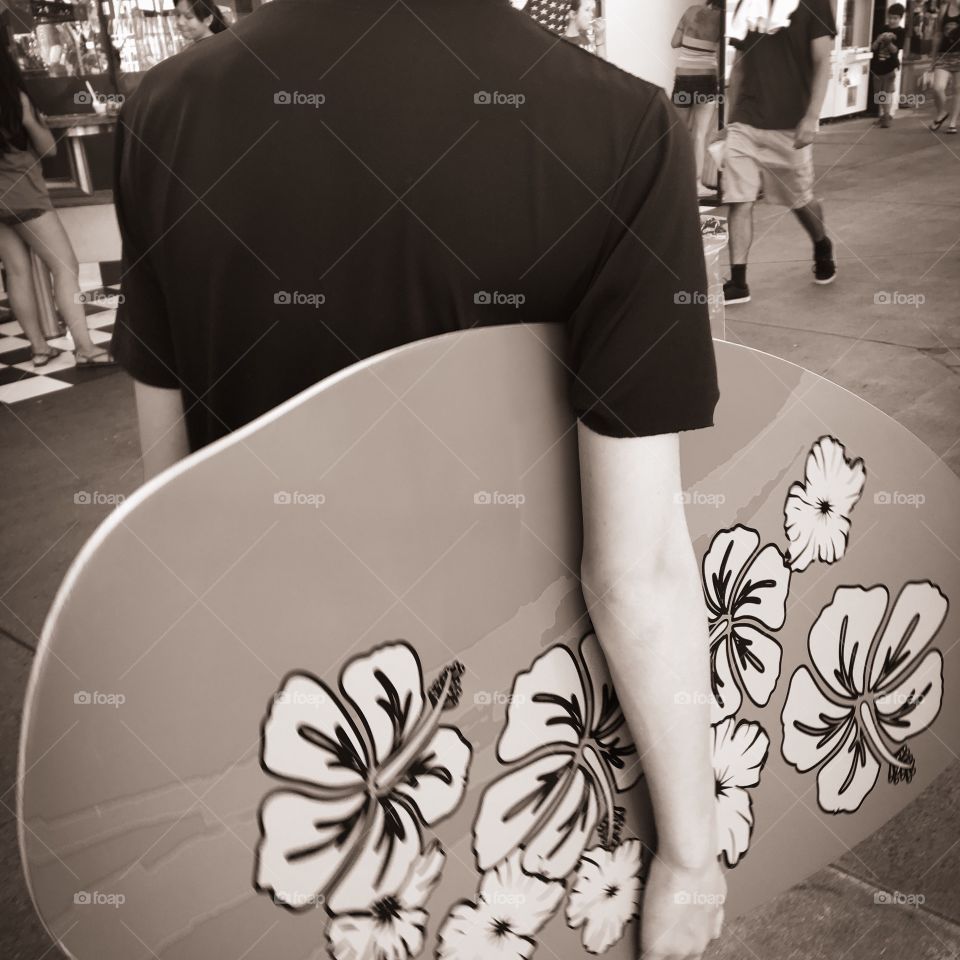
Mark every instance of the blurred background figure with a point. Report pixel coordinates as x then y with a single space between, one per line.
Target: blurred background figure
29 222
886 61
946 64
580 18
695 87
199 19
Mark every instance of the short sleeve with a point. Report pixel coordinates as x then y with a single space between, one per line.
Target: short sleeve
142 339
640 345
822 21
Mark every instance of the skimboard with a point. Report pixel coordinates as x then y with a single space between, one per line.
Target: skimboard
327 688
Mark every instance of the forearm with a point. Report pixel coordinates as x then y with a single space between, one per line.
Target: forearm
163 433
655 640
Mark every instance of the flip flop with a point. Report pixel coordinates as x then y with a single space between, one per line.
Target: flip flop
42 359
937 124
104 359
951 129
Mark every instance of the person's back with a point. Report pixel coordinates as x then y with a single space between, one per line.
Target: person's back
465 167
327 181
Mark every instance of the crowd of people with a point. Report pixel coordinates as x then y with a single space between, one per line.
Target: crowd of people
779 77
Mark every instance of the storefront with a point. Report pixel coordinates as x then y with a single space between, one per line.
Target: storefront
79 60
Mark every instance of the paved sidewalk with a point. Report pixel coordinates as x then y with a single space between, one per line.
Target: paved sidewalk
893 207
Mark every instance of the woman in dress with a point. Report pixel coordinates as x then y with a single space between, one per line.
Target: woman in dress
695 88
946 63
28 222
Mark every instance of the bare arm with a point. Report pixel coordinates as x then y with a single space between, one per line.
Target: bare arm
937 34
820 50
163 432
40 136
642 588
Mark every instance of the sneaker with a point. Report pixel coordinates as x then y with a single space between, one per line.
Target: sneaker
733 293
824 266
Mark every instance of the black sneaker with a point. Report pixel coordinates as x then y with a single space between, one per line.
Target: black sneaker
824 266
734 293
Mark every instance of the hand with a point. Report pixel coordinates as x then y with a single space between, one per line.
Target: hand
682 910
805 133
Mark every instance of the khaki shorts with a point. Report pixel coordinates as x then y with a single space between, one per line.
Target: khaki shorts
767 158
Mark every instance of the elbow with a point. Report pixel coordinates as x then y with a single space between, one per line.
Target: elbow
639 588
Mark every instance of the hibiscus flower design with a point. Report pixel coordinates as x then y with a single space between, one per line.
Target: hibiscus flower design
605 894
739 753
510 909
816 513
393 928
746 594
568 736
346 828
869 691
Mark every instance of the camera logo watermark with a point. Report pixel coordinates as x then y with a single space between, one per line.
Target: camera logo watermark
695 896
688 297
496 498
491 698
690 98
699 499
898 898
99 298
486 298
298 98
885 498
85 698
296 498
298 298
84 98
97 498
94 898
882 98
496 98
894 298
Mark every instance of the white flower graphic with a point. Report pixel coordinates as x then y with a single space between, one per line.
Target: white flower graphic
393 928
605 894
510 909
817 512
870 690
739 753
567 734
746 596
346 829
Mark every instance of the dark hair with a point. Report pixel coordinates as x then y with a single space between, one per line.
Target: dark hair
207 8
13 134
897 9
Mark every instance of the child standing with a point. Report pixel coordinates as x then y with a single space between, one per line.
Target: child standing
886 61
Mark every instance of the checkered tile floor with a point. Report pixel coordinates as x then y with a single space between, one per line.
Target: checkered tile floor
20 380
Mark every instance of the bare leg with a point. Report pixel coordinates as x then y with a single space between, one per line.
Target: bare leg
955 106
740 222
811 217
701 120
940 80
47 238
23 299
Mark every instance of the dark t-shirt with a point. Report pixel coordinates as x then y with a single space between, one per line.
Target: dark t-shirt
326 181
883 61
776 69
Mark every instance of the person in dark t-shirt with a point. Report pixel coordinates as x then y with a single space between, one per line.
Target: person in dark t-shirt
566 184
886 47
346 178
777 85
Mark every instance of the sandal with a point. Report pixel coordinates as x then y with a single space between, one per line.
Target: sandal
43 358
102 359
951 129
937 124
